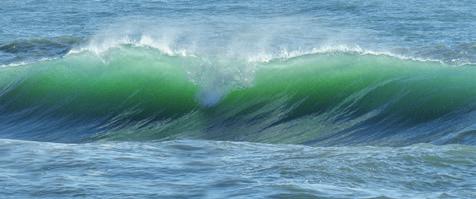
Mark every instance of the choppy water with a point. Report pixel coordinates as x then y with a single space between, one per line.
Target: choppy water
205 169
231 99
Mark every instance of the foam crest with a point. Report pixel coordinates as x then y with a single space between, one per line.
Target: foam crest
245 43
326 49
100 46
24 63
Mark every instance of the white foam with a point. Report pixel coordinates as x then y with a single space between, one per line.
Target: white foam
22 63
325 49
99 45
251 44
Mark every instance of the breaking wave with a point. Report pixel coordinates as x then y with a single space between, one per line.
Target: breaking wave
328 96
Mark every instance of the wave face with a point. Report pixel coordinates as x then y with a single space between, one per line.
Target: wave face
330 98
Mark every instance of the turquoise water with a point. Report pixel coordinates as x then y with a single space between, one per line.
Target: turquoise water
231 99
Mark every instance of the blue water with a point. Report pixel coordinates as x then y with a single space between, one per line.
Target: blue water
235 99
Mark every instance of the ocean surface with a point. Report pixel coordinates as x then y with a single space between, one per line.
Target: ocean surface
237 99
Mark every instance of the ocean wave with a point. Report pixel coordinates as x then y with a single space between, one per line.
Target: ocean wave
326 98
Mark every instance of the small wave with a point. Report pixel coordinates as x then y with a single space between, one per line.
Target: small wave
26 51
